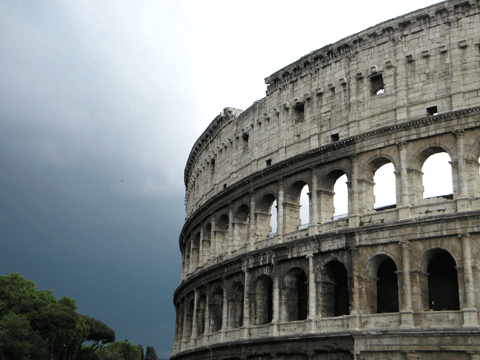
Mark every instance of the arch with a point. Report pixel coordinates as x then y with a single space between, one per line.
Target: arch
443 293
241 229
216 309
292 205
329 202
221 234
189 319
201 314
334 290
263 216
235 306
378 176
437 176
387 287
295 295
195 250
207 242
419 180
263 304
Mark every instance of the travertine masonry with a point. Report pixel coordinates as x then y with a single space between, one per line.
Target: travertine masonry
399 282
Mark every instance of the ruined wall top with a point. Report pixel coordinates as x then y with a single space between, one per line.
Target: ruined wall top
422 63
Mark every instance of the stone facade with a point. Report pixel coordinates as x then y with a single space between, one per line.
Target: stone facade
400 282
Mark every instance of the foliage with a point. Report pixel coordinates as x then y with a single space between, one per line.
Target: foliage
150 354
142 353
34 325
120 350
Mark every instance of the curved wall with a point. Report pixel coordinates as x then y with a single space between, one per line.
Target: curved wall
390 282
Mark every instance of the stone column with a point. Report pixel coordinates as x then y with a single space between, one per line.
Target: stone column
253 225
353 213
225 307
312 290
207 313
276 299
190 262
280 225
355 313
462 198
404 208
313 218
201 255
470 313
246 299
213 243
231 244
194 320
406 311
312 295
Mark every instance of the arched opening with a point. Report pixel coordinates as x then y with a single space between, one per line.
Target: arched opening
263 304
241 226
215 309
384 189
235 306
195 250
437 175
190 319
181 315
333 196
265 216
207 234
387 287
221 235
340 198
335 295
442 283
201 314
296 206
187 255
295 295
273 219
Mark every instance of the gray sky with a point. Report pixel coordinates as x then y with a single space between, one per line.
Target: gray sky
100 104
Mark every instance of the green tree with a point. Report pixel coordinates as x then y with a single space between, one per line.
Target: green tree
15 333
142 353
150 354
120 350
99 333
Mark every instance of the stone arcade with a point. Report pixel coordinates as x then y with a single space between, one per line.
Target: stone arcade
398 282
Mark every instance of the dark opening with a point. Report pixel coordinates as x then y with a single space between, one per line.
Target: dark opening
245 141
296 294
201 312
212 163
377 87
263 300
224 186
268 162
216 307
342 305
431 111
335 137
443 283
387 287
236 307
299 113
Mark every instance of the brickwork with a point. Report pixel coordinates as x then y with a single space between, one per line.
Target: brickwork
400 282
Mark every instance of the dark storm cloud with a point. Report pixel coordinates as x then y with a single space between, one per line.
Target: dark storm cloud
91 191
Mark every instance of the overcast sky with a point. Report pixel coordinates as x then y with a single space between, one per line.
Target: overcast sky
100 104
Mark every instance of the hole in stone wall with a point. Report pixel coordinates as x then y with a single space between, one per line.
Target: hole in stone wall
377 87
224 186
299 113
384 188
432 111
268 162
443 283
335 137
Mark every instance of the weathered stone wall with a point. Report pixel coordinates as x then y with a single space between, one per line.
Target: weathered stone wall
380 283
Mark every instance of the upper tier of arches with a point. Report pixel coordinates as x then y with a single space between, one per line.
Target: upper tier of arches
269 212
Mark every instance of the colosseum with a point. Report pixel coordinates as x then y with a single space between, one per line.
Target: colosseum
390 282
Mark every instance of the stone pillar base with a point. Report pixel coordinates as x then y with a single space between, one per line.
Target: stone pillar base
310 325
354 321
463 204
470 318
404 212
406 318
353 221
312 229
